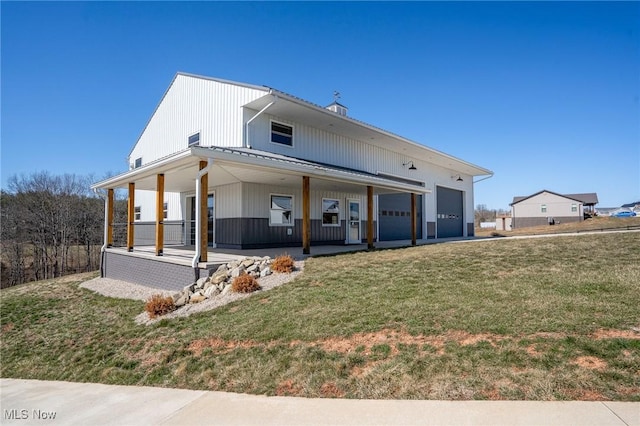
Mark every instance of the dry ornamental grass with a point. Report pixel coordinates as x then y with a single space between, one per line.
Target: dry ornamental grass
283 264
245 283
159 305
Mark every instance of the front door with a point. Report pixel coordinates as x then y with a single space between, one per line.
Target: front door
353 224
211 208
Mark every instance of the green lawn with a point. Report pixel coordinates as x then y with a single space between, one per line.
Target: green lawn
541 319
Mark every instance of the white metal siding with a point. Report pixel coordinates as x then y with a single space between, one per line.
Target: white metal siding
147 201
194 105
228 201
322 146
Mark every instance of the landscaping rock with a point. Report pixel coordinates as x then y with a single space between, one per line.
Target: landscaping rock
237 271
197 298
212 291
181 300
266 271
221 268
247 262
218 277
219 283
201 282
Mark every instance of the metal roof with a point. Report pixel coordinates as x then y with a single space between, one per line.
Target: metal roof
248 165
588 198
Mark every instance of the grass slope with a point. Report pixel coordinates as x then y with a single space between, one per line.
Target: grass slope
540 319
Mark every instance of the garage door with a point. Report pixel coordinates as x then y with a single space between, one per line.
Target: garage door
394 216
449 217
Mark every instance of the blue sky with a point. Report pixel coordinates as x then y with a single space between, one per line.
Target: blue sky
545 94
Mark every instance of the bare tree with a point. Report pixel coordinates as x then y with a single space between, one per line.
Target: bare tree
45 216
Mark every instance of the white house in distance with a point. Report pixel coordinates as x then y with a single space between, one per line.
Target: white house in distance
233 165
545 207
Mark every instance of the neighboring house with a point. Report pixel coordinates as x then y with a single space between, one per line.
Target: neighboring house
634 207
547 207
233 165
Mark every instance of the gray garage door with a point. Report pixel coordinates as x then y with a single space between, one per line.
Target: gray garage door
394 216
449 217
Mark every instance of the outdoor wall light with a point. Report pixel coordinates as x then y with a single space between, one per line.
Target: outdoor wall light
412 167
459 178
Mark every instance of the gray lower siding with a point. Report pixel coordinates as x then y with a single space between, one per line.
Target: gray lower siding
148 272
431 229
249 233
470 230
525 222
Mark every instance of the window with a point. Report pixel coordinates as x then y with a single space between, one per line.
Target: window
281 133
194 139
330 212
137 211
281 212
574 207
137 163
543 208
165 210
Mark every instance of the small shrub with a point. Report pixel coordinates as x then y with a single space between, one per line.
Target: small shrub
283 263
159 305
245 283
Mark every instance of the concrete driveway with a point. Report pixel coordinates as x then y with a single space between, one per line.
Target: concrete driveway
35 402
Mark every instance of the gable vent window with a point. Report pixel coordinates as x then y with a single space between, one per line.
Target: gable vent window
281 133
137 163
194 139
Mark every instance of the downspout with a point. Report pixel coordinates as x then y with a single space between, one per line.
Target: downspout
104 245
196 257
246 131
473 182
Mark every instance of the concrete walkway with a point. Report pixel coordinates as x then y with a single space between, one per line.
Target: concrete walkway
27 402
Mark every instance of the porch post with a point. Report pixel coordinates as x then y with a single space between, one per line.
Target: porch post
370 245
159 214
130 215
413 219
306 219
109 218
204 213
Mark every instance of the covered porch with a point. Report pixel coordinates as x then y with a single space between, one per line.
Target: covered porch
200 170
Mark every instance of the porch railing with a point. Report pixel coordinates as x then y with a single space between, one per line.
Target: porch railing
145 233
